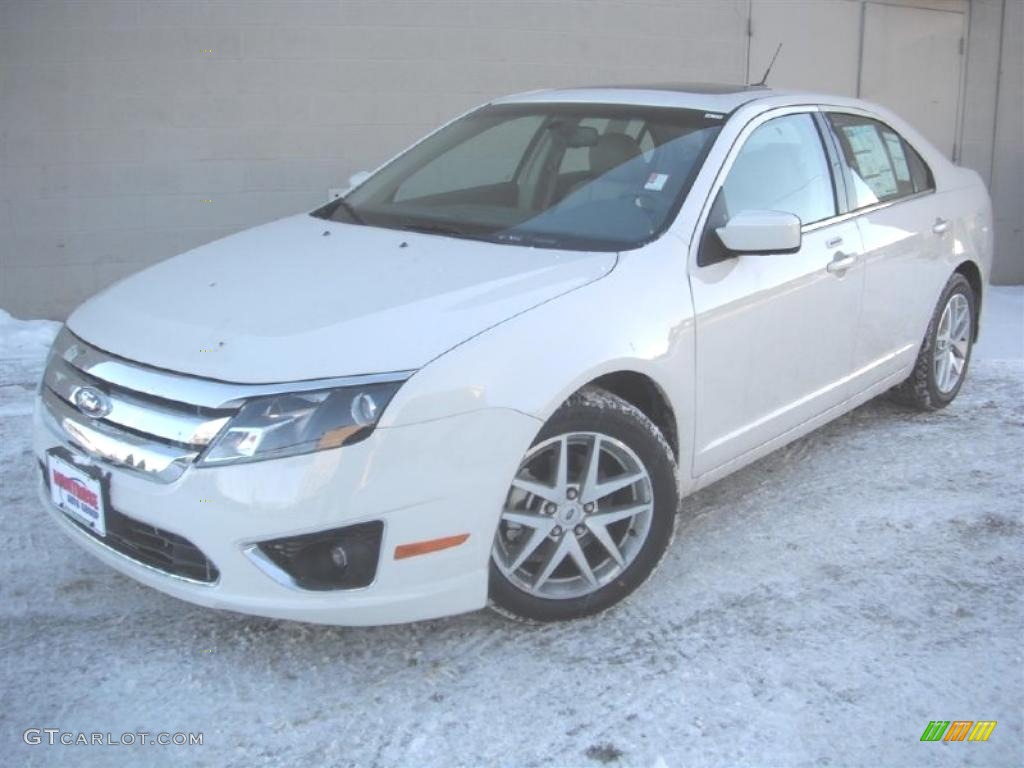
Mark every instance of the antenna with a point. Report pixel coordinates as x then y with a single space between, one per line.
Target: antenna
770 65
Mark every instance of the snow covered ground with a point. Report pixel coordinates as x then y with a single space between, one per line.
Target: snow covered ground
817 608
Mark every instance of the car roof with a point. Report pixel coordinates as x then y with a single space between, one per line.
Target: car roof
724 99
715 97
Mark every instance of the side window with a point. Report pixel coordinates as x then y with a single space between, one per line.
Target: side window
782 167
490 157
646 141
638 130
883 166
920 173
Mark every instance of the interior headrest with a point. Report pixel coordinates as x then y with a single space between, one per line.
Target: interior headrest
610 151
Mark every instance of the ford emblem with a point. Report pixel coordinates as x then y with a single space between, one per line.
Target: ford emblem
91 402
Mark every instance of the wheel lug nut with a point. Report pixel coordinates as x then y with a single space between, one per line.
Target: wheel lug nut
557 530
572 493
580 530
549 508
588 507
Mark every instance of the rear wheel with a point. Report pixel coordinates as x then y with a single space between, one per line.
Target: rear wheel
589 514
945 352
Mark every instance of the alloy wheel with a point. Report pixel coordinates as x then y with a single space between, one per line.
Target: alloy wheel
952 343
577 514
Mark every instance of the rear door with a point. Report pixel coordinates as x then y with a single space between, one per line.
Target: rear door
907 242
775 333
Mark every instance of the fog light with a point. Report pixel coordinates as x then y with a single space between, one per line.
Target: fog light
341 558
338 556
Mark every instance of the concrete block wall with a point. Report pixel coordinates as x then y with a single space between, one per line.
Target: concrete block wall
132 130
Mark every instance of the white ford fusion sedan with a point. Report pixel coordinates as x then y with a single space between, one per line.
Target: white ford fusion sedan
490 371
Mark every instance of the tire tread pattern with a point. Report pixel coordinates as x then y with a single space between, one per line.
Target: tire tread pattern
919 390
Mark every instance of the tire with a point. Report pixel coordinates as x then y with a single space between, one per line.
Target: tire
927 388
551 528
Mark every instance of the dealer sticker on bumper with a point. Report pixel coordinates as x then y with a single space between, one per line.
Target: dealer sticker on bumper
77 493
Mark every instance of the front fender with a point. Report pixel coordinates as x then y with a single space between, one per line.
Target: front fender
638 318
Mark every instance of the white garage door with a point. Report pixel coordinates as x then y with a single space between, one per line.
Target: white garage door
820 44
912 62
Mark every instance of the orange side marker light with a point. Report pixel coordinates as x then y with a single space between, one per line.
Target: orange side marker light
403 551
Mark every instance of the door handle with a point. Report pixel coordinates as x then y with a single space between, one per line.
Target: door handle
940 226
841 262
835 242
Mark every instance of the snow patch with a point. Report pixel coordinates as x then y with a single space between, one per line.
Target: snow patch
1002 324
25 338
852 576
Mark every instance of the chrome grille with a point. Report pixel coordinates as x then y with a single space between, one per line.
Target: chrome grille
143 430
165 420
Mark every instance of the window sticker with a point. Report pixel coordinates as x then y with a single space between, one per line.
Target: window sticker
872 159
899 159
656 182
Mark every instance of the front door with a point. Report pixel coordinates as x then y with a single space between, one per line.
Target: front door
775 333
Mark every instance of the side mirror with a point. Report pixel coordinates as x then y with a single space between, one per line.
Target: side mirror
761 232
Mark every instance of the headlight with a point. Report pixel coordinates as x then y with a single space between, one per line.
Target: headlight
61 342
303 422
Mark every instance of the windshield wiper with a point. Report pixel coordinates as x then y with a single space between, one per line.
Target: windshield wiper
440 229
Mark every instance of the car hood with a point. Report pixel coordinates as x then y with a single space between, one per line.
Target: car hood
304 298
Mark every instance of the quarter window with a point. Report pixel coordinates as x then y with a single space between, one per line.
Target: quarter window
883 166
920 174
782 167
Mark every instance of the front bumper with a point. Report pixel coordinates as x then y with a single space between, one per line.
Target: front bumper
424 481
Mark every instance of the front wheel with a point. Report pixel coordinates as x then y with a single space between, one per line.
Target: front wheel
589 514
945 352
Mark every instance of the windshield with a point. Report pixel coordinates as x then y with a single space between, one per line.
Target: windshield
575 176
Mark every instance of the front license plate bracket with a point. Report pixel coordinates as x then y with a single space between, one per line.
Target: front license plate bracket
79 489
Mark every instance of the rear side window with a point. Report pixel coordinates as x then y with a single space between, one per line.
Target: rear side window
883 166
